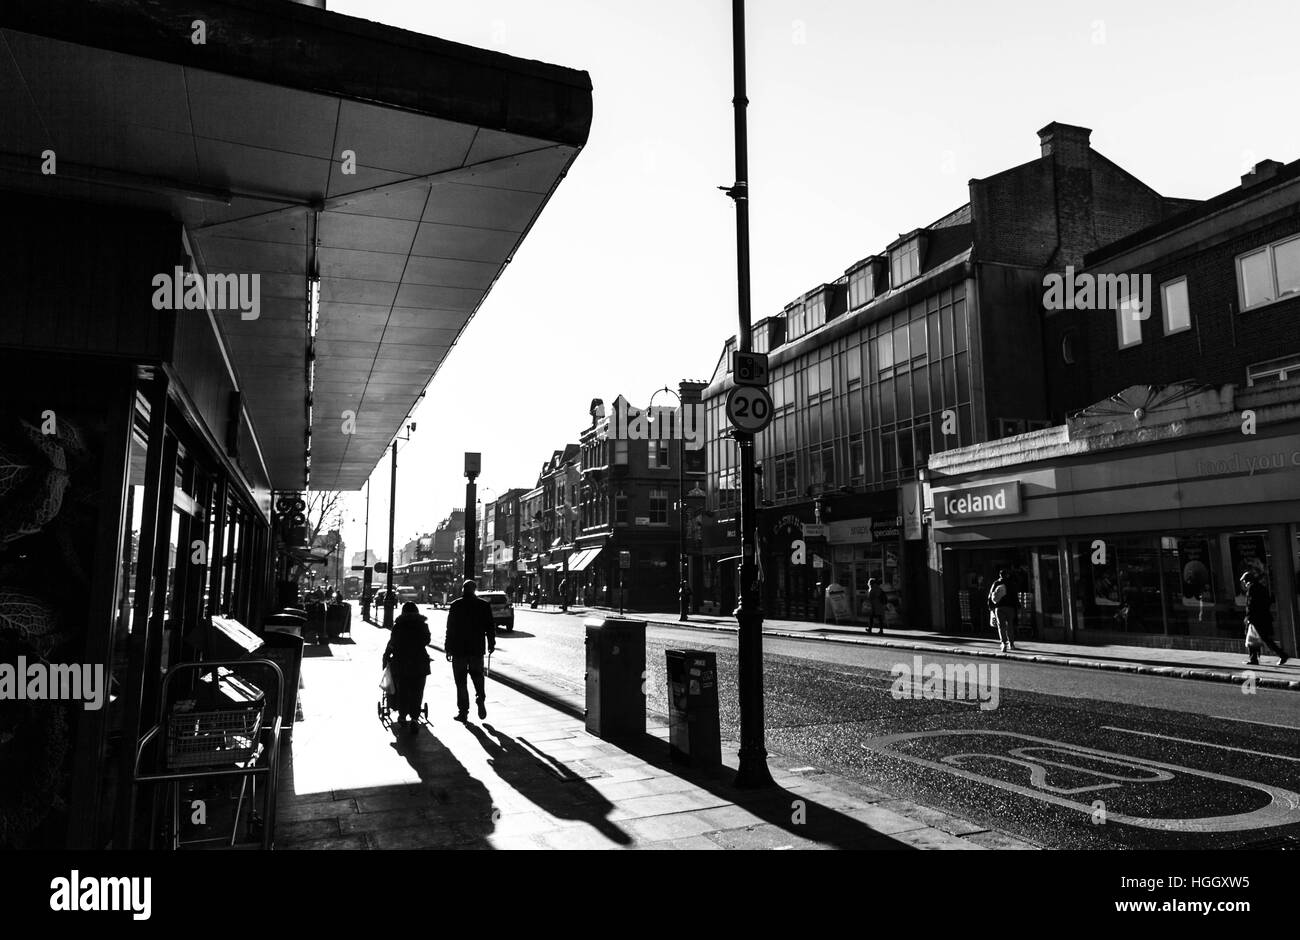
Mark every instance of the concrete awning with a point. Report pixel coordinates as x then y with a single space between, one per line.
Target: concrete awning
241 138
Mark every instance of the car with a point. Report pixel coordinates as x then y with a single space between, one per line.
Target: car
406 594
503 611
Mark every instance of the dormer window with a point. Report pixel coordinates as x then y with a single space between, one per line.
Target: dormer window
862 285
905 262
815 311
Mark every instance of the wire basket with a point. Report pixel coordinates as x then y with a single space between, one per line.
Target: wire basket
211 739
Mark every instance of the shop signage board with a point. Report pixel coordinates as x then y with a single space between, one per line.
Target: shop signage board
814 530
849 531
910 493
978 502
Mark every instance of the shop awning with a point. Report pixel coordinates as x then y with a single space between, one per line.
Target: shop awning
553 567
584 558
400 170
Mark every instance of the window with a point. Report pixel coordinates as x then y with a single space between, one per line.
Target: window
1275 370
861 286
1069 353
1173 301
759 336
853 366
1130 314
620 509
787 477
658 451
815 311
658 507
823 466
620 452
797 318
857 462
905 263
1269 273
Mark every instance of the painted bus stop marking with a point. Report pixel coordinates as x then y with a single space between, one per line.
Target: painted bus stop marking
1283 807
1222 747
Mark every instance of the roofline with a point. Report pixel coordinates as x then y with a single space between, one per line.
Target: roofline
309 49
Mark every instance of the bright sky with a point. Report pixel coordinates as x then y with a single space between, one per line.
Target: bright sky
866 120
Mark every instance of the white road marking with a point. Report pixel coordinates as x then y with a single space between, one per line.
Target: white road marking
1222 747
1267 724
1282 809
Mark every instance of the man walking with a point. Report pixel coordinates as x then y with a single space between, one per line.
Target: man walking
469 626
1002 604
1259 613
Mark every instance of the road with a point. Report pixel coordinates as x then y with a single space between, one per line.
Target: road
1064 757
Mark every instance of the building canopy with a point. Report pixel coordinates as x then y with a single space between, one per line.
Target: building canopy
397 172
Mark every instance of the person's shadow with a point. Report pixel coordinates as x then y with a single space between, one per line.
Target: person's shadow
453 807
551 786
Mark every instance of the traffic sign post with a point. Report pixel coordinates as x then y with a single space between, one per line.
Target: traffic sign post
749 368
749 408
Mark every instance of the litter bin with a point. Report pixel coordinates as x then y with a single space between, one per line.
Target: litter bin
693 735
615 677
338 619
284 645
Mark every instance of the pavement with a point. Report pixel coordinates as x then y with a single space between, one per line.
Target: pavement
1170 663
531 776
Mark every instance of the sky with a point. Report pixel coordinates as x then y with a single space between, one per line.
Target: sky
866 120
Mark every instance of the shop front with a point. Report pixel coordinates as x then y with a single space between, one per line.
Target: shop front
1125 535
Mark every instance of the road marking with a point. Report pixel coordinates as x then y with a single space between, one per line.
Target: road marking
1267 724
1282 809
1222 747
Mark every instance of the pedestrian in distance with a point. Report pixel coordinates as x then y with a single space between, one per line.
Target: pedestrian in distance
876 601
1002 604
1259 615
408 662
470 628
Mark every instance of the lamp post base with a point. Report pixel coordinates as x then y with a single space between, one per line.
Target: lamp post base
752 773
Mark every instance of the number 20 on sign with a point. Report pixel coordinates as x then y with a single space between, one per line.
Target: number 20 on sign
749 408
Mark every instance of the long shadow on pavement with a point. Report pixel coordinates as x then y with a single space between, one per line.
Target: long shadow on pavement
798 814
549 785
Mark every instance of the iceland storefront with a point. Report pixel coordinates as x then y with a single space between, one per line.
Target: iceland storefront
1131 524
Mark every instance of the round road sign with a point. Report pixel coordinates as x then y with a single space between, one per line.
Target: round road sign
749 408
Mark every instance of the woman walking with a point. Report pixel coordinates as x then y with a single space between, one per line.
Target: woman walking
876 600
408 663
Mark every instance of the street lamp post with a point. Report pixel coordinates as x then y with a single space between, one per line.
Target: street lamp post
392 519
753 771
473 465
683 605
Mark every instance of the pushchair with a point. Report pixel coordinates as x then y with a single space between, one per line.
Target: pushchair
387 703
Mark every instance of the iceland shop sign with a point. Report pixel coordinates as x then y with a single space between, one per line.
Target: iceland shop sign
978 502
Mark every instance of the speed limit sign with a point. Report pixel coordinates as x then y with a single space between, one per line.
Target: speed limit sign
749 408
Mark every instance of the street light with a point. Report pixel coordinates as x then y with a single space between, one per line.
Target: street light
392 519
683 606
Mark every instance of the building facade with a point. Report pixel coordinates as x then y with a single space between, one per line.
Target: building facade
1173 455
916 349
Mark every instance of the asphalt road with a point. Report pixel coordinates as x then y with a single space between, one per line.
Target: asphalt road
1064 757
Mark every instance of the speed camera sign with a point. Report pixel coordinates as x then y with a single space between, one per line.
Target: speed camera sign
749 408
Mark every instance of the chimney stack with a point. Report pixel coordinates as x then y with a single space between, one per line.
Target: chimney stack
1067 143
1263 170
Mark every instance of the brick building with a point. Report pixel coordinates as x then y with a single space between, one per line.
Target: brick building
1174 465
